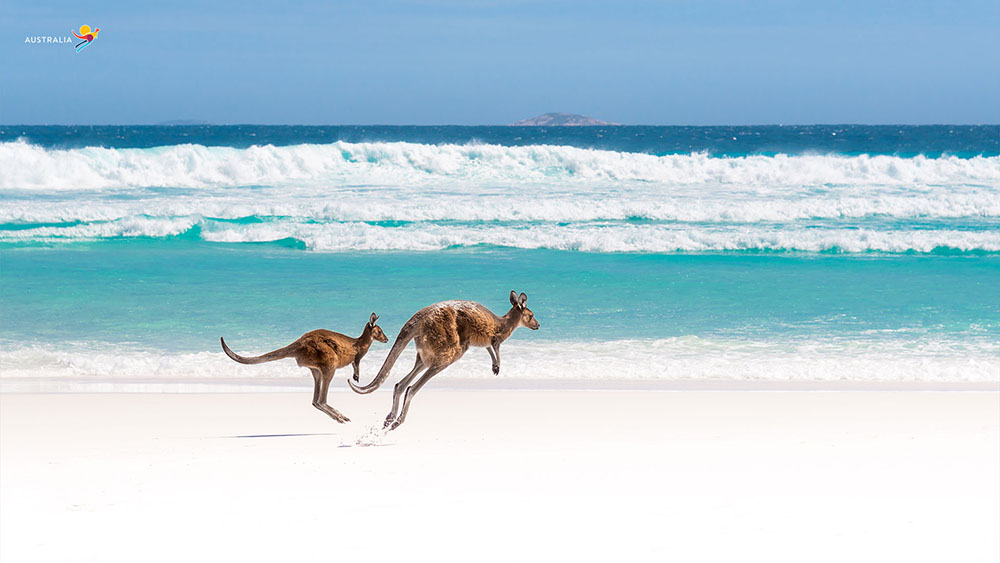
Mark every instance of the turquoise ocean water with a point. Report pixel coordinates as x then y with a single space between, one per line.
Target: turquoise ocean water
853 253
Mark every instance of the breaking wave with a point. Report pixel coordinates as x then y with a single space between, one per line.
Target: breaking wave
584 237
669 359
518 204
29 167
416 197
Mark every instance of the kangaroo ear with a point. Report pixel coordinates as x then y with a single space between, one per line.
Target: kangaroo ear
522 300
372 320
513 298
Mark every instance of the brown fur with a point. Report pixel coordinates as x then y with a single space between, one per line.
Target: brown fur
443 332
323 352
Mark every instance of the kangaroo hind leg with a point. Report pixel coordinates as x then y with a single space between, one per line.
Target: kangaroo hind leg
322 378
397 391
411 391
317 379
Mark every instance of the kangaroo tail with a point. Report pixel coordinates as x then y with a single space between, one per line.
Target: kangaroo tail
286 352
406 334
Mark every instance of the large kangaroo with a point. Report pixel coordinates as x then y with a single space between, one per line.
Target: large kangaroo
322 351
443 332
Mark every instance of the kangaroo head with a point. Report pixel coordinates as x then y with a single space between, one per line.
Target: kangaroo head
377 333
527 318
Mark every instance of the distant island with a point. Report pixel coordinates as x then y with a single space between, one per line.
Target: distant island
560 120
184 122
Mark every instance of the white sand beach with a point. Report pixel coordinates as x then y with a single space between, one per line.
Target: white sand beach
496 474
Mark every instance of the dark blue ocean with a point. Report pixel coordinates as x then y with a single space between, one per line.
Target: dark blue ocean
774 253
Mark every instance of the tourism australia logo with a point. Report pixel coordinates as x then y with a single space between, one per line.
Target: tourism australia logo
85 34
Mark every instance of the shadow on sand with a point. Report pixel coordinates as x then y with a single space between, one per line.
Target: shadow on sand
363 442
280 435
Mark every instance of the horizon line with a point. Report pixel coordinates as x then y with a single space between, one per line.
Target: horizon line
208 124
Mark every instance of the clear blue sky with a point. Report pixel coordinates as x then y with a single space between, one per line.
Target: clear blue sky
699 62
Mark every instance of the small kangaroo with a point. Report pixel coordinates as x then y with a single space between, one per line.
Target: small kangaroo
443 332
322 351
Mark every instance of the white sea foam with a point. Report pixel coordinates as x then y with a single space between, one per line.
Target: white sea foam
345 196
33 168
682 358
585 237
609 238
657 203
